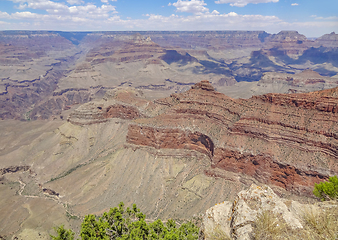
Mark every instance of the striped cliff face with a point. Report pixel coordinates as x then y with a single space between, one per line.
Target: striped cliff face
287 140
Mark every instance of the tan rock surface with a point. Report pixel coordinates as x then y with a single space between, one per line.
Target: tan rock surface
237 219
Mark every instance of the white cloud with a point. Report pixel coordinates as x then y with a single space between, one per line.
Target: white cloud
294 4
75 2
242 3
207 21
21 6
4 15
25 15
326 18
89 11
193 6
59 16
40 4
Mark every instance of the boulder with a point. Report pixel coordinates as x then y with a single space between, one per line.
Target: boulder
236 220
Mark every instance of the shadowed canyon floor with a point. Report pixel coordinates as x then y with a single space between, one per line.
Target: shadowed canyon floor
173 157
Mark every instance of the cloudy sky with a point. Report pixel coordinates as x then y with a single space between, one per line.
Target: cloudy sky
310 17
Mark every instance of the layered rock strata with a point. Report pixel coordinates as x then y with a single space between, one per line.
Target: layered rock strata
170 138
287 140
44 73
286 43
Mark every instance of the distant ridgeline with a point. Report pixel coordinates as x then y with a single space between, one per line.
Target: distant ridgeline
46 72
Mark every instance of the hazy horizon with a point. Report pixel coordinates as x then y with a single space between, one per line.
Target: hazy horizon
311 18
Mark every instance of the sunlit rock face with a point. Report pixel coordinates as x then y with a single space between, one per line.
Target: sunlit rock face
288 140
237 219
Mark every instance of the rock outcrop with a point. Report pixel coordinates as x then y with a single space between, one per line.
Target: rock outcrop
237 219
328 40
305 81
287 140
170 138
119 103
286 43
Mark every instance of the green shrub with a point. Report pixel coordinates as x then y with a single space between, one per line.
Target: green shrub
63 234
129 224
327 190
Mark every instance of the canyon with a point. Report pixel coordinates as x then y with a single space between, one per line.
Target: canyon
92 119
44 73
174 157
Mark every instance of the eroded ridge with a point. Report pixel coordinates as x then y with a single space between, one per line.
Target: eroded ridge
170 138
288 144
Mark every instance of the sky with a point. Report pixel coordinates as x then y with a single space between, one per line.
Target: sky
313 18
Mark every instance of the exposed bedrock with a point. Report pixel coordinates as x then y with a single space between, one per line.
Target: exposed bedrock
267 170
291 143
121 111
54 105
307 101
263 167
287 140
92 113
170 138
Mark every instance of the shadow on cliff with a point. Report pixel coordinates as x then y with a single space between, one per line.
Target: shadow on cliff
172 56
319 55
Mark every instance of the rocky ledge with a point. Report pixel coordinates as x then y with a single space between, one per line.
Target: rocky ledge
237 219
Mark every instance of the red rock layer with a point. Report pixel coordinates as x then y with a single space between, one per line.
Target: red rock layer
122 111
266 170
170 138
307 101
289 140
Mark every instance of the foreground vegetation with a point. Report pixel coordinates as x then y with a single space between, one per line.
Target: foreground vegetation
122 224
317 225
327 190
129 224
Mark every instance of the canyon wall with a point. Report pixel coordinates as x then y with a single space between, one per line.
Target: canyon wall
285 140
45 73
